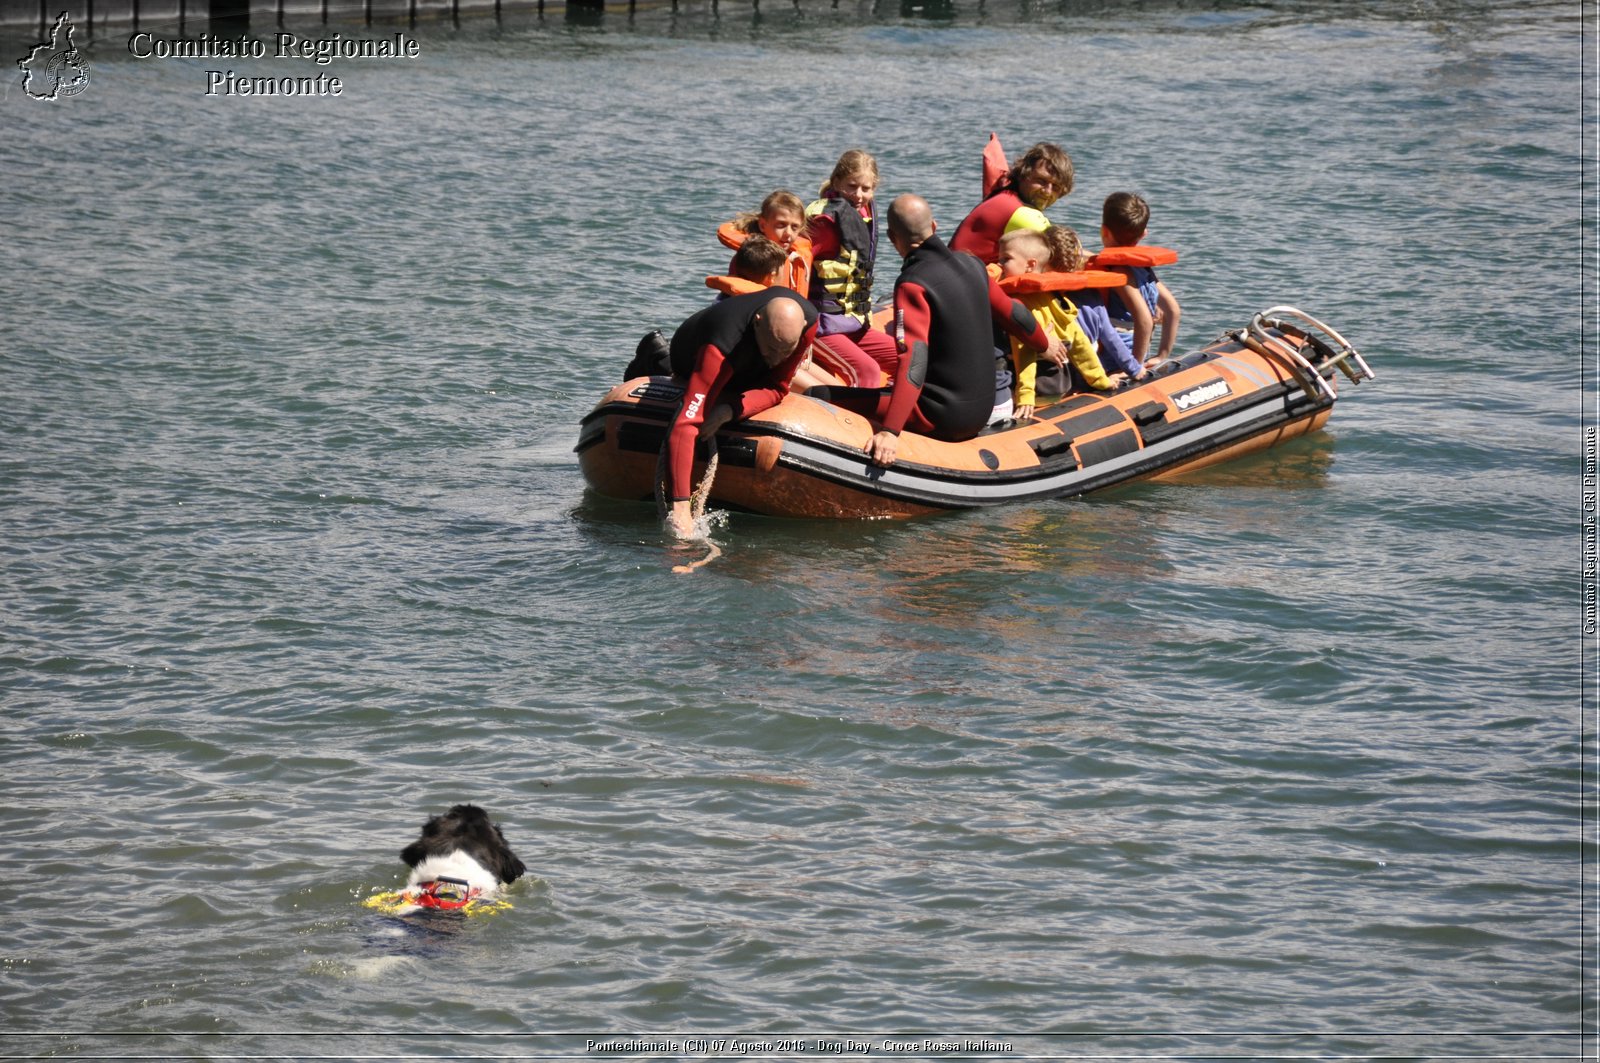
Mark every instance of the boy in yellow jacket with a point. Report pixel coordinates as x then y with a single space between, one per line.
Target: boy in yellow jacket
1024 251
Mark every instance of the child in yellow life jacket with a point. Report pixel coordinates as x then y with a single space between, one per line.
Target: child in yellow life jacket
1067 256
844 242
1025 251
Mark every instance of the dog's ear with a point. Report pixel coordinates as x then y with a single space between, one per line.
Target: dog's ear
511 868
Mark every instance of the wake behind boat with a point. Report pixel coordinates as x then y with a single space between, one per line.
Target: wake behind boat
1250 389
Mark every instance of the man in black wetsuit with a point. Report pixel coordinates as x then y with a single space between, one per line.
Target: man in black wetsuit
943 304
738 357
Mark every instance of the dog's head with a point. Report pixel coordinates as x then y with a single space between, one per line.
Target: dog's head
466 828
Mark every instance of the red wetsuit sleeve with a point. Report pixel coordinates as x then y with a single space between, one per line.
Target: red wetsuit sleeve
1015 318
823 232
913 319
711 372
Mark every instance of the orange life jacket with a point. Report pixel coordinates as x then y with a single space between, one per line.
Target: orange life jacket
796 272
731 235
734 285
995 166
1137 255
1029 283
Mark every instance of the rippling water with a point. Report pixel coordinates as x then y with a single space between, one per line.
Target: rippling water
1281 759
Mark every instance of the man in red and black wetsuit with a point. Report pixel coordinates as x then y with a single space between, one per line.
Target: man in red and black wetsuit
738 357
944 302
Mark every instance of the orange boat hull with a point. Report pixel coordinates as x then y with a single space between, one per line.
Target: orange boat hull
805 458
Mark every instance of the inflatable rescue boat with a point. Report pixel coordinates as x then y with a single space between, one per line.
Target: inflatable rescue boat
1250 389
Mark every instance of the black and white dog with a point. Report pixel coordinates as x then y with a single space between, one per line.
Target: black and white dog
461 857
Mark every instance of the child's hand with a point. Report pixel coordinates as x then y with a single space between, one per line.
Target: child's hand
1117 379
1022 413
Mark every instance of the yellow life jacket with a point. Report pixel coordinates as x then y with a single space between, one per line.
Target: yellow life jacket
843 284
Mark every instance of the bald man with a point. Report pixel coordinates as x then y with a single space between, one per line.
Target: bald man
737 356
944 302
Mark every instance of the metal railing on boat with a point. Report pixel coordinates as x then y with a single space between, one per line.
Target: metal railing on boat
1264 335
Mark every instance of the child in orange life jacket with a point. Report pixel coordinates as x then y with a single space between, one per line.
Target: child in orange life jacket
1025 251
844 242
781 219
755 266
1144 300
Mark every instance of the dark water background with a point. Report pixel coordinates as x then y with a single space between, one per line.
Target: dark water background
1281 760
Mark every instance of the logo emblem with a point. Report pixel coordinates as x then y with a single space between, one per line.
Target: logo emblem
1210 391
55 68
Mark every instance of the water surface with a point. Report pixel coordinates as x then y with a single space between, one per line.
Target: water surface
1282 759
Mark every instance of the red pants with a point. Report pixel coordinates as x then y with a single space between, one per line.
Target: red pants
860 358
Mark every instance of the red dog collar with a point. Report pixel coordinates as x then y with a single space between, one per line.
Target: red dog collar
446 894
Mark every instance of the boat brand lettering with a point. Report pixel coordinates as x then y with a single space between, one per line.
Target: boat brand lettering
1210 391
694 407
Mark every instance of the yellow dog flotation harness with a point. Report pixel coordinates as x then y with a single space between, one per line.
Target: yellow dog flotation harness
442 894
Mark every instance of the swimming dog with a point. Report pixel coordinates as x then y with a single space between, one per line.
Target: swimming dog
460 859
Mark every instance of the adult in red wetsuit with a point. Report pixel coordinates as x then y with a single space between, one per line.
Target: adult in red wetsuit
943 304
1017 201
737 356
